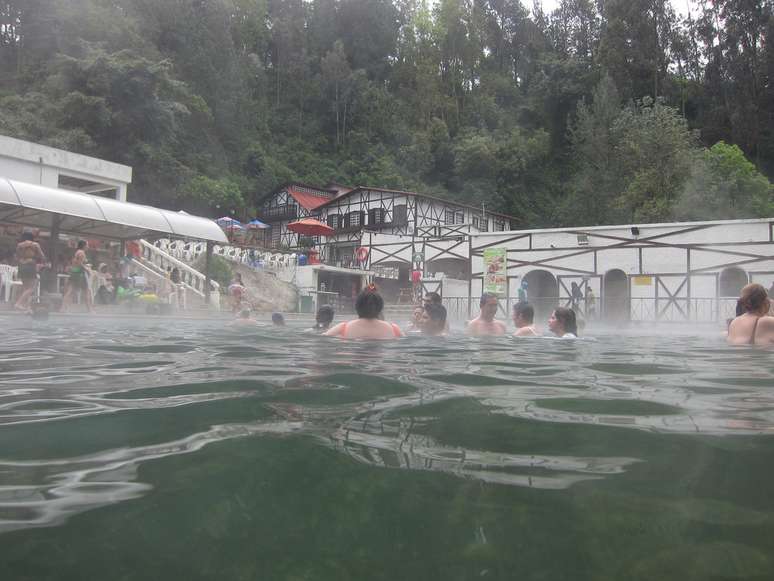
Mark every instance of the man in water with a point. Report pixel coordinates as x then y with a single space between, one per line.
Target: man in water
485 323
28 256
433 298
523 318
78 280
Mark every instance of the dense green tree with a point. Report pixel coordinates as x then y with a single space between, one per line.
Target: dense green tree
593 113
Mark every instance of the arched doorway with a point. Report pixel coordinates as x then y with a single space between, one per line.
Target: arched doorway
731 281
542 293
615 296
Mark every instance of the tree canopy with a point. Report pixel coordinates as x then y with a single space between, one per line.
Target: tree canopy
594 113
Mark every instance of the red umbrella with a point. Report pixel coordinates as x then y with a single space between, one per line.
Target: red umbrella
311 227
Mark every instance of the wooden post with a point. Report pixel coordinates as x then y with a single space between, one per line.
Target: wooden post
208 260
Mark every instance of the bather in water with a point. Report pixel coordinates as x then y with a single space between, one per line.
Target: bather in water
369 306
753 326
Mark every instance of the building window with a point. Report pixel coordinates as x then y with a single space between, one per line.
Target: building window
450 217
476 222
353 220
399 214
499 225
276 236
459 218
375 216
334 221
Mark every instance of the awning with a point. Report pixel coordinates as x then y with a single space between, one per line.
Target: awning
96 217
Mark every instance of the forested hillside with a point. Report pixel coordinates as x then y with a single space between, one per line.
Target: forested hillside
599 112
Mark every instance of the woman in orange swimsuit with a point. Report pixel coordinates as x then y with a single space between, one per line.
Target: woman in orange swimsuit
369 305
753 326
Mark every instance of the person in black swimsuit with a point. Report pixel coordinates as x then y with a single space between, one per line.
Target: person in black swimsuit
754 326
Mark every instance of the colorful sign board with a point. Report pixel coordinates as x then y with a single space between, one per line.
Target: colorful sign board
642 280
495 271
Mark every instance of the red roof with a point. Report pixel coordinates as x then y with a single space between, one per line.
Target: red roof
308 201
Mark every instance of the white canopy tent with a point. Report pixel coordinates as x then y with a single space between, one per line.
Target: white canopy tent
96 217
87 216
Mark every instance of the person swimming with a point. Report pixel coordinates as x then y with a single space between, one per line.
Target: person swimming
562 323
369 305
434 320
754 326
523 318
245 319
324 318
485 323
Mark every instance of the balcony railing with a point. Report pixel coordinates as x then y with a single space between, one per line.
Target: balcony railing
278 215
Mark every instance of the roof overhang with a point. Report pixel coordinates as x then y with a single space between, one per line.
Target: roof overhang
96 217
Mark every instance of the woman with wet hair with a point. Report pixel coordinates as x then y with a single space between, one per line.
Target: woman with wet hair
562 323
753 326
324 318
369 305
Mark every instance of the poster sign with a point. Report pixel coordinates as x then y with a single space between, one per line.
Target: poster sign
643 280
495 278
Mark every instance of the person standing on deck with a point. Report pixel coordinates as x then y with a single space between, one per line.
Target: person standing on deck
485 323
28 256
79 280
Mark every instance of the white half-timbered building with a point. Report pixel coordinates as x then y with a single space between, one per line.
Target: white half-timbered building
673 272
380 230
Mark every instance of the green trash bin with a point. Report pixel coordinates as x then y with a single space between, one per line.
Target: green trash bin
306 304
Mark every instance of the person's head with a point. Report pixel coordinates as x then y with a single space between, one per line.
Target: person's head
416 316
754 299
574 285
523 315
238 278
524 284
434 319
432 298
277 319
563 321
81 244
103 267
174 276
245 314
369 303
489 304
324 316
27 236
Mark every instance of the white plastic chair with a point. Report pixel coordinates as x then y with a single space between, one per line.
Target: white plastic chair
7 279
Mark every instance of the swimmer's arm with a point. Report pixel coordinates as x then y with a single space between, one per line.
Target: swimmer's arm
334 331
39 253
523 332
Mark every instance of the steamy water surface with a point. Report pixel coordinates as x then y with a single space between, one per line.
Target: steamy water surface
171 450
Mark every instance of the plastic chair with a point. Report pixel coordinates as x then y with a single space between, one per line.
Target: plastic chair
7 279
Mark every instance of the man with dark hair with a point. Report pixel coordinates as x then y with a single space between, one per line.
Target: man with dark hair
432 298
523 318
28 256
434 320
485 323
79 280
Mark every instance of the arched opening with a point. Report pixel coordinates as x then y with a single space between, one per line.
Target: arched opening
731 281
615 293
542 293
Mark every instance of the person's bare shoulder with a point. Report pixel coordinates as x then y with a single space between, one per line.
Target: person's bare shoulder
334 331
524 332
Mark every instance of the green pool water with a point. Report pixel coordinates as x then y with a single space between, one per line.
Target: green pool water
180 450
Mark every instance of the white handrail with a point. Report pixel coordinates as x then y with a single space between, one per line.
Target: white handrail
192 279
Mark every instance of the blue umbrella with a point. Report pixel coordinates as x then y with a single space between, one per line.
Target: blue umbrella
256 225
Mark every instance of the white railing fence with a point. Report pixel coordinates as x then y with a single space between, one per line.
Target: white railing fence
160 261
